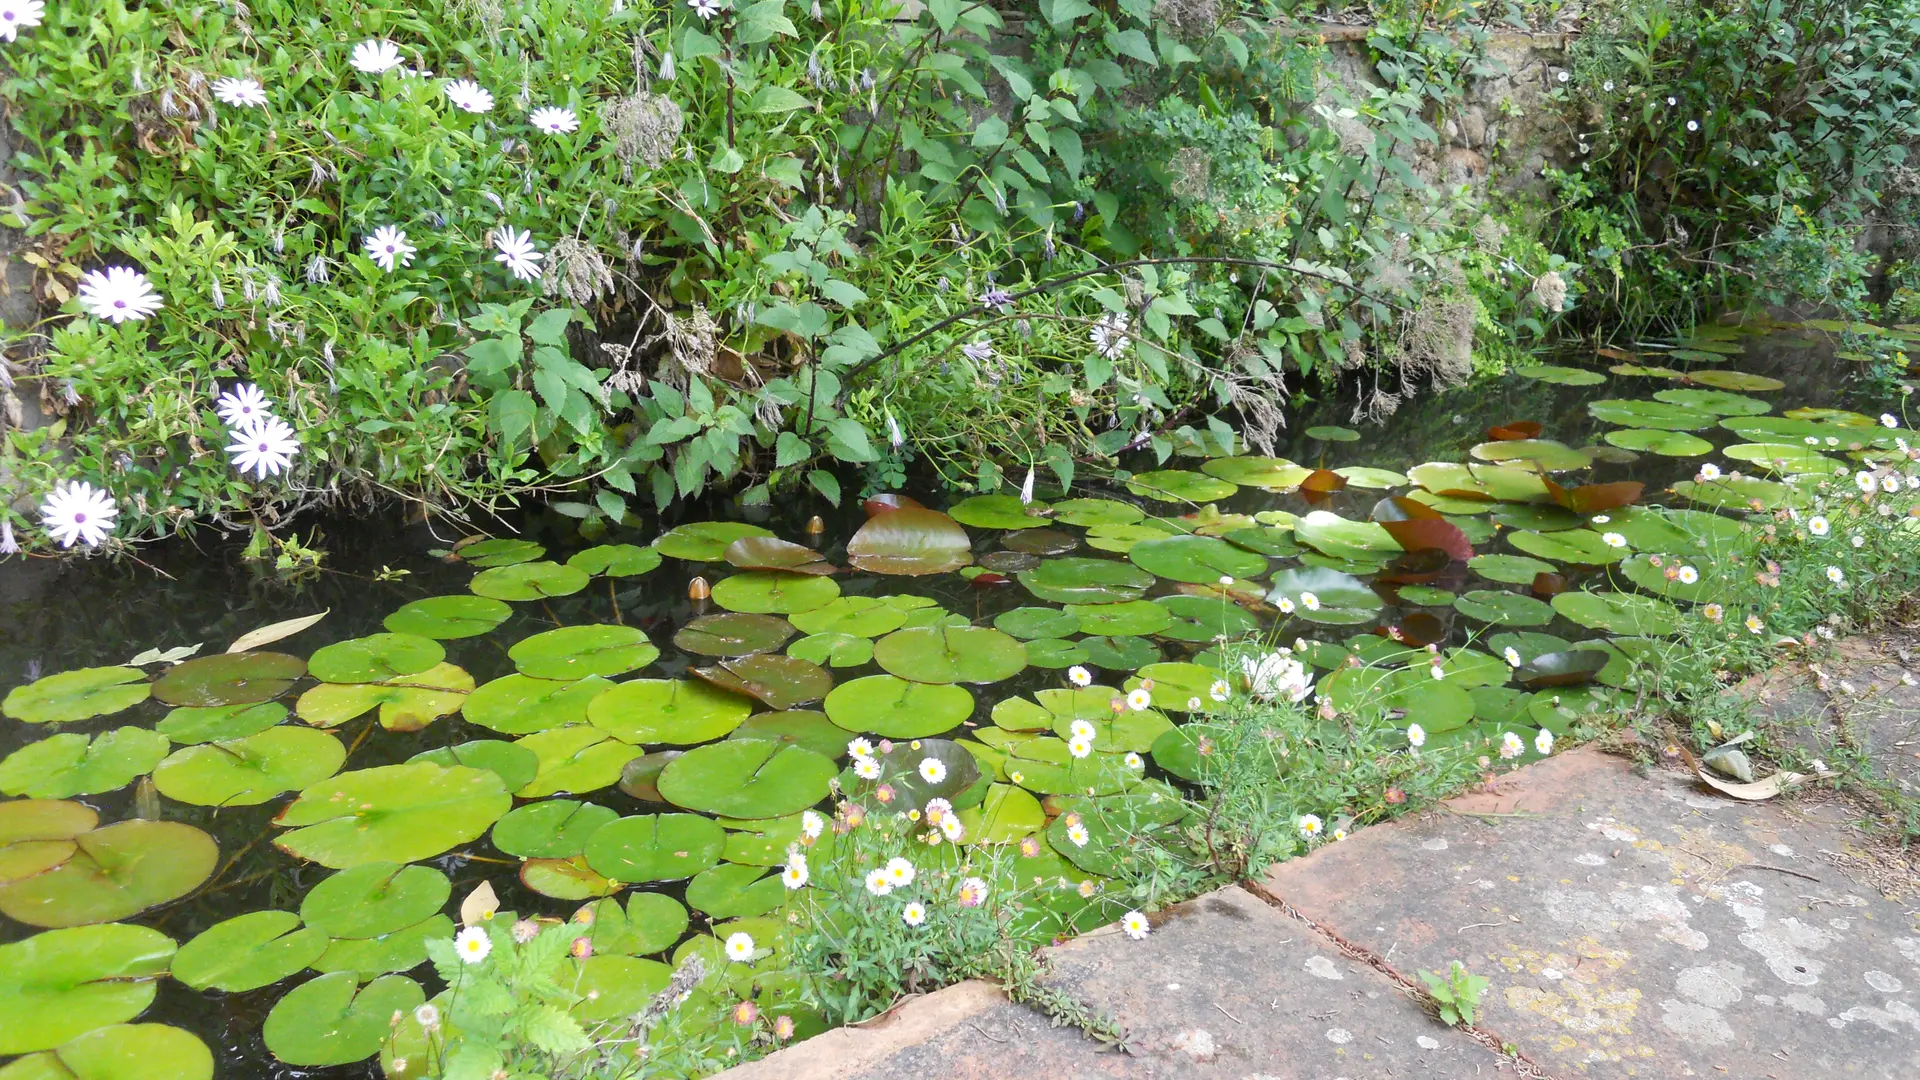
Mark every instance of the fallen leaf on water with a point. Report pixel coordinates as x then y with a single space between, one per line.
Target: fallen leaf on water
272 632
164 656
480 904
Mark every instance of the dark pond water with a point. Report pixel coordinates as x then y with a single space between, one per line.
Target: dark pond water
55 617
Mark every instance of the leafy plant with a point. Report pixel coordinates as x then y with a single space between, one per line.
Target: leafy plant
1457 993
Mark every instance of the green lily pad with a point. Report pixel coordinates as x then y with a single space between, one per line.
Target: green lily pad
407 702
1048 767
677 712
1196 559
529 581
577 758
1077 580
1746 492
1028 623
774 592
1536 516
565 879
1560 376
1334 535
894 708
1788 429
860 616
1055 653
1089 512
1546 453
1369 478
199 725
65 983
656 847
375 658
650 923
1581 547
1006 814
747 778
1708 580
550 829
1666 529
392 813
832 649
1266 540
333 1020
1427 595
1133 618
1471 667
1651 414
910 541
36 835
1566 668
704 541
1664 443
503 551
1504 608
375 899
973 654
1619 613
805 728
77 695
60 766
998 512
731 891
615 560
1179 485
1722 379
1332 433
1512 569
1201 618
1267 473
448 617
782 682
1784 457
521 704
515 764
120 1052
574 652
1718 402
1484 483
1120 539
229 679
1325 596
1119 654
251 770
734 634
1175 685
401 950
115 872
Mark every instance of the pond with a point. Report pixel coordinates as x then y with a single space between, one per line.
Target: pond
557 717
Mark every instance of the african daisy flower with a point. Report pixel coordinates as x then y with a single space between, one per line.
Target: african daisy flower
468 96
388 247
18 15
118 294
242 405
264 447
554 120
78 511
376 56
240 91
517 253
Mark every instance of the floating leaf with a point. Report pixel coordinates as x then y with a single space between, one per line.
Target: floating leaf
1784 457
1119 654
974 654
998 512
835 649
656 847
902 767
1336 598
1200 618
251 770
1003 817
1660 574
1596 498
1130 619
1582 547
1076 580
574 652
1515 431
407 703
894 708
804 728
198 725
730 891
1056 653
577 758
1545 454
1179 485
272 632
1362 476
1651 414
1195 559
911 542
615 560
232 679
1718 402
1742 493
375 899
1089 512
1664 443
704 541
65 983
782 682
1560 376
1121 538
1331 433
516 765
248 952
401 950
1722 379
1574 668
70 763
861 616
1503 608
1677 530
549 829
1430 534
747 778
677 712
1028 623
120 1052
650 923
1494 483
774 592
115 872
375 658
1040 542
392 813
734 634
565 879
1512 569
504 551
529 581
521 704
448 617
1266 473
333 1020
1620 613
76 695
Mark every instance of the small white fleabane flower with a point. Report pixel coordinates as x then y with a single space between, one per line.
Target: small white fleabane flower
468 96
1079 676
877 882
1857 540
740 947
427 1016
1416 736
264 447
18 15
1310 825
1285 605
1599 519
1709 471
866 768
1564 76
952 828
377 56
1543 742
554 120
1081 729
118 294
1139 699
1754 625
812 824
1887 419
1835 575
795 875
517 253
1607 86
242 405
1135 925
914 914
861 747
78 511
1817 525
1220 691
1693 125
388 248
1309 601
933 770
1864 481
1134 761
1613 540
472 945
1889 484
899 872
1338 835
1511 746
1080 748
1513 656
1077 835
240 91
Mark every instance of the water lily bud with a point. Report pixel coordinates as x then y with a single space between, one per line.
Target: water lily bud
698 589
816 526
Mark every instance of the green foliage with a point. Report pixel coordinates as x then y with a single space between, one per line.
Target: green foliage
1457 993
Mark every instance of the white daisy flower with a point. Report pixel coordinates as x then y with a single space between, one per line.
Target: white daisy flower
1077 835
1835 575
1709 471
1607 86
388 248
1864 481
1613 540
877 882
1543 742
554 120
1857 540
1687 575
795 875
77 510
1513 656
1079 676
240 91
1285 605
812 824
1080 748
1887 419
899 872
1754 625
242 405
866 768
1134 761
18 15
427 1016
1310 825
1135 925
1416 736
1889 484
740 947
1220 691
1309 601
1599 519
517 253
1817 525
860 747
376 56
1338 835
1511 746
933 770
953 828
1081 729
118 294
472 945
1693 125
264 447
468 96
914 914
1139 699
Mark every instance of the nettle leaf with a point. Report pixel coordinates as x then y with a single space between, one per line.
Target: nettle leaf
763 20
776 99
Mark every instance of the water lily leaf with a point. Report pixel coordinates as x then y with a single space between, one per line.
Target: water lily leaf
861 616
1430 534
911 542
120 1052
656 847
375 658
1515 431
407 703
1664 443
1056 653
198 725
733 634
1130 619
504 551
1545 454
516 765
1722 379
1121 538
1196 559
998 512
783 682
332 1020
677 712
76 695
1651 414
250 770
747 778
1363 476
70 763
577 758
1325 596
392 813
1332 433
448 617
1121 653
1266 473
1718 402
1650 572
651 922
375 899
1180 485
529 581
231 679
1039 542
401 950
1426 595
730 891
1582 547
1560 376
774 592
1075 580
1028 623
1596 498
1089 512
1567 668
1048 767
1784 457
834 649
521 704
550 829
1200 618
1482 483
117 871
974 654
1788 429
1175 685
805 728
1003 817
1746 492
704 541
1512 569
1503 608
565 879
615 560
574 652
1677 530
65 983
1267 540
1620 613
37 835
894 708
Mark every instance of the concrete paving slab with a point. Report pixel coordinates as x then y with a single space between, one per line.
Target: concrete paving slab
1639 925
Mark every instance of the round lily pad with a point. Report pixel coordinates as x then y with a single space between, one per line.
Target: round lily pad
832 649
392 813
1334 535
1201 618
1332 433
1477 484
37 835
1722 379
1055 653
1666 529
516 765
550 829
197 725
804 728
375 658
1620 613
1718 402
502 551
1664 443
615 560
1582 547
774 592
250 770
1546 453
1265 539
1708 581
782 682
375 899
861 616
1130 619
407 702
1568 668
1651 414
1180 485
1119 653
120 1052
704 541
656 847
1746 492
1504 608
910 541
747 778
1028 623
1268 473
577 758
574 652
402 950
117 871
998 512
730 891
973 654
448 617
1175 685
229 679
1196 559
678 712
735 634
894 708
1040 542
333 1020
64 983
1077 580
1363 476
529 581
1425 596
651 922
77 695
1325 596
1560 375
67 764
248 952
565 879
1784 457
1512 569
521 704
1121 538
